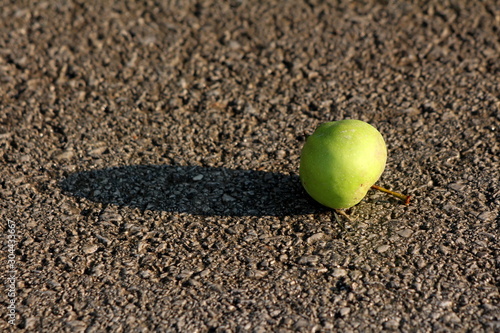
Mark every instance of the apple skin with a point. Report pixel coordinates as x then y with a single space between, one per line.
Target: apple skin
340 161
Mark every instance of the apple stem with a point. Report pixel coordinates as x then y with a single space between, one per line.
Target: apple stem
343 213
403 197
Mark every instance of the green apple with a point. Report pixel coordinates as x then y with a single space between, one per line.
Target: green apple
340 161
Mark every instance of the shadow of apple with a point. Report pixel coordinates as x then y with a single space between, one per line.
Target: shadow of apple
194 190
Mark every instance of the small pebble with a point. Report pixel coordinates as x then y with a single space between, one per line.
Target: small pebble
383 248
309 260
339 272
68 154
344 311
444 250
103 240
316 237
451 318
97 151
421 263
392 324
486 216
405 233
227 198
198 177
256 274
280 154
30 323
109 216
457 186
446 304
76 325
90 248
301 323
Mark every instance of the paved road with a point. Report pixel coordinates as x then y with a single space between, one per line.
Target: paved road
149 155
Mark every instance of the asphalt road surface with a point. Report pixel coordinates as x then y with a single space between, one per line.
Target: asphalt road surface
149 157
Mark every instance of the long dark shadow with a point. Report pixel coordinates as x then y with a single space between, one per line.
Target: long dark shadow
194 190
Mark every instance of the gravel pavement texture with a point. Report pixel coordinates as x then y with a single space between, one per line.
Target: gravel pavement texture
149 157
